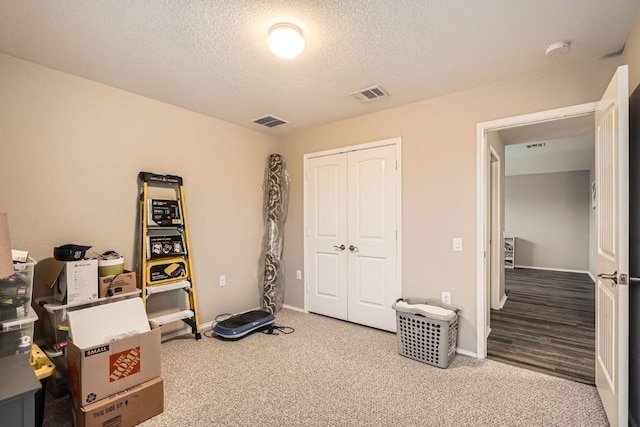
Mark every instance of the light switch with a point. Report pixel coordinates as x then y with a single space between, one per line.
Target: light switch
457 244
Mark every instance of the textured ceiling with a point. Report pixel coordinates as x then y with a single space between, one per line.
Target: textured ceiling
558 155
211 56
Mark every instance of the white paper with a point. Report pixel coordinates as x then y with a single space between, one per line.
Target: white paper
96 325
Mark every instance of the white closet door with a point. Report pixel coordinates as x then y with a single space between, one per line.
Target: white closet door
327 234
372 226
352 206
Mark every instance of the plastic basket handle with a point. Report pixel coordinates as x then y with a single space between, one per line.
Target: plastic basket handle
421 312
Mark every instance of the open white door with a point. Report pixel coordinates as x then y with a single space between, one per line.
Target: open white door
612 258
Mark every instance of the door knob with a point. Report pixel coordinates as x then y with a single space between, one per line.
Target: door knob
341 247
613 276
353 248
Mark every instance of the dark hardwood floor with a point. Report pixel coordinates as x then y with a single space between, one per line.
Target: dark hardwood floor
547 324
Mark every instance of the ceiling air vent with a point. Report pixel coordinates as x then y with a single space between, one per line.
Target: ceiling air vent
369 94
537 145
269 121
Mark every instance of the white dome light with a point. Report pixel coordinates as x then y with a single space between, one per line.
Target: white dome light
285 41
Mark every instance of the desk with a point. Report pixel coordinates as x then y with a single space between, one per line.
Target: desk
18 386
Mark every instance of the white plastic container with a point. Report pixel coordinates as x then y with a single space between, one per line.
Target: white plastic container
16 291
57 329
16 335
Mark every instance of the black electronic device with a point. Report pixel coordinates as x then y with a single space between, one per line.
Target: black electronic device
239 325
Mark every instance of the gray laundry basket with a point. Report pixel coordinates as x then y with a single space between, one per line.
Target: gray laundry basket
426 336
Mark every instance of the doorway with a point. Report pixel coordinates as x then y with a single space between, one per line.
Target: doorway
548 321
548 121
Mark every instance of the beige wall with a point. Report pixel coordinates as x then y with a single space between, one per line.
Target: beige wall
439 175
71 150
549 213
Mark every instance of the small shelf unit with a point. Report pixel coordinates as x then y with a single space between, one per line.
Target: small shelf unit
509 252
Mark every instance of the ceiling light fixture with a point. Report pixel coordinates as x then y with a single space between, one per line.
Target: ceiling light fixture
285 41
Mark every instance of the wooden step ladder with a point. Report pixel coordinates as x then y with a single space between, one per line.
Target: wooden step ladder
165 255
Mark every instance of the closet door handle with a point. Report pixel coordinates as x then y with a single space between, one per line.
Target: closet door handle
613 276
341 247
353 248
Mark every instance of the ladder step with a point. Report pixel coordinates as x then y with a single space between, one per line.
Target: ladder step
156 289
171 317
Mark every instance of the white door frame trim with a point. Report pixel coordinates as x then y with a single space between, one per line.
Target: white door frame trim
496 226
482 177
375 144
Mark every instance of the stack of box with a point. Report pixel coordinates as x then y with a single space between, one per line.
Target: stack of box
114 365
17 322
76 285
78 281
17 317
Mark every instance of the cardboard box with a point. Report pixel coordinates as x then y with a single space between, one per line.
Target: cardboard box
165 245
100 371
122 283
73 281
166 270
164 213
111 347
127 408
103 323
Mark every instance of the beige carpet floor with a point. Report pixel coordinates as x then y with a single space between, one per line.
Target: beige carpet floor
334 373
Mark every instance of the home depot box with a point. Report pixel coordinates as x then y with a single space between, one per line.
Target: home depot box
123 283
100 371
73 281
111 347
126 408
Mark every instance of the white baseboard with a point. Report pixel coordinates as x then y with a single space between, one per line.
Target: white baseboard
294 308
206 326
488 332
503 301
176 334
565 270
592 276
466 353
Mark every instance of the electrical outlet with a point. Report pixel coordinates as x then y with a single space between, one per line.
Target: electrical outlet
299 274
222 280
446 297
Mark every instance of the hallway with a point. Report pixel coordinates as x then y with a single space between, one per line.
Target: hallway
547 324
